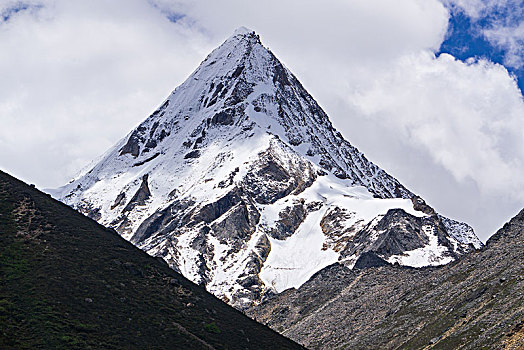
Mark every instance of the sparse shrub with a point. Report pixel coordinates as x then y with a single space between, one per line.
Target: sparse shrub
212 328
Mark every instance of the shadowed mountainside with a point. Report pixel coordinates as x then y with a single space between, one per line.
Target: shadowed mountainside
67 282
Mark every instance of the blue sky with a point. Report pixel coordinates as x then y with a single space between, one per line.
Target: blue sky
466 38
14 8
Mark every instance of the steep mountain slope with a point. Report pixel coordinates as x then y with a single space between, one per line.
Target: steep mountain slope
67 282
476 302
240 182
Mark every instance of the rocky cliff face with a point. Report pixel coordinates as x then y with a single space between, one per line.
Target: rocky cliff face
476 302
241 183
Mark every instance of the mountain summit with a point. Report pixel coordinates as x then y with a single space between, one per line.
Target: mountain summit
240 182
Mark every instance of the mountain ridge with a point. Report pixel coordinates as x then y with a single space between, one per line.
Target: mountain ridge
240 182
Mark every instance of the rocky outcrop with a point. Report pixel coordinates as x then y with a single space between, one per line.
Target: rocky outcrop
338 234
163 221
118 200
142 194
238 225
369 259
133 145
289 220
270 177
406 239
420 205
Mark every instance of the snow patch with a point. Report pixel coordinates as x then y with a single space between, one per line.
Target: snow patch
293 261
432 254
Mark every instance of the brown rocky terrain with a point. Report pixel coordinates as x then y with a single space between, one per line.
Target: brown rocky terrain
476 302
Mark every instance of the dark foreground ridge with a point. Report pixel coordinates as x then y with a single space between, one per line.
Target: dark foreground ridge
67 282
476 302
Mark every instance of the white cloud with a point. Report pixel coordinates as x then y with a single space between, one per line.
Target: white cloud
451 131
511 39
467 116
480 8
356 29
80 74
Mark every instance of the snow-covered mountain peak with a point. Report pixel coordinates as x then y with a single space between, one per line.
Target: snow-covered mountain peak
230 54
240 182
242 31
